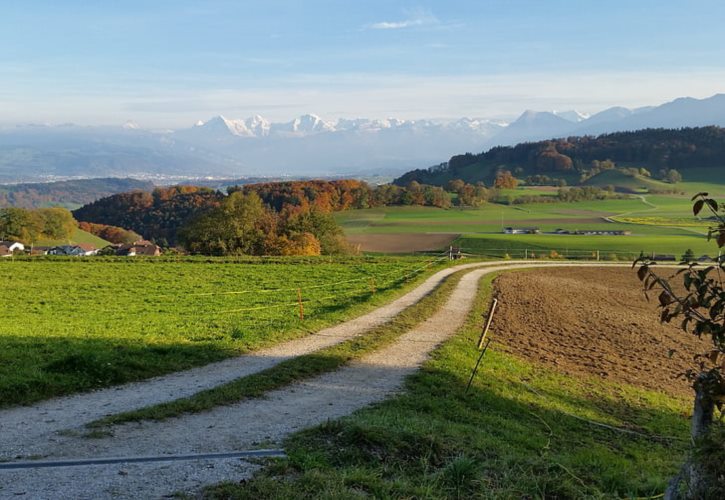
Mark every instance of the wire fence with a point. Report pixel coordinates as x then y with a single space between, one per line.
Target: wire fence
538 253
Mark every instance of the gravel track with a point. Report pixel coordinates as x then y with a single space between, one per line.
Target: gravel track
20 425
240 426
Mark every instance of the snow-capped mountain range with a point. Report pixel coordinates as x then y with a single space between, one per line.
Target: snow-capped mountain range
308 145
309 124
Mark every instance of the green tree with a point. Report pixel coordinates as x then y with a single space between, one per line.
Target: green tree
58 223
673 176
235 227
22 225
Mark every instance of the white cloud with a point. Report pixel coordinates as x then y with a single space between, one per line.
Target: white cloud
418 18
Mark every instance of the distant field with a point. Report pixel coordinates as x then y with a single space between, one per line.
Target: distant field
77 324
624 182
401 243
658 223
77 237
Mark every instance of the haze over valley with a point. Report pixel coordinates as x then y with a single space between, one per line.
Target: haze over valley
308 145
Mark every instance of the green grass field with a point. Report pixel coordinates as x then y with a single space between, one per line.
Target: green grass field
662 224
76 324
624 182
522 431
78 236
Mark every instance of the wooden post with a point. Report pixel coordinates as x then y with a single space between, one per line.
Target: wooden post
299 301
475 368
373 286
526 254
597 255
488 323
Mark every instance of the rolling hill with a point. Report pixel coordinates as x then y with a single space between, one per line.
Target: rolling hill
625 182
700 150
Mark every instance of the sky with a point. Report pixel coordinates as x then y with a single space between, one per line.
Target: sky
169 63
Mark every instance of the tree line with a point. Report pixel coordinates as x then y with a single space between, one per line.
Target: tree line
160 215
658 150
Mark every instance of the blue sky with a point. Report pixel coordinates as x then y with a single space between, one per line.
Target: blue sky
169 63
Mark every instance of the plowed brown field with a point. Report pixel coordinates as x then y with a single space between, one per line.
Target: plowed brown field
401 242
592 321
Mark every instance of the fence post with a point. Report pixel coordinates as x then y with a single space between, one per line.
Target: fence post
597 255
488 323
299 301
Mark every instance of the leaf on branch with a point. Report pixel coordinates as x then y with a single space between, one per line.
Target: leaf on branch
699 195
665 298
721 238
712 203
697 206
642 272
664 316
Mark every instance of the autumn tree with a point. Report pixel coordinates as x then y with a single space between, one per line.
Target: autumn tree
505 180
113 234
701 309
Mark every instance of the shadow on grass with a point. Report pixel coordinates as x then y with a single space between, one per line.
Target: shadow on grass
32 369
436 441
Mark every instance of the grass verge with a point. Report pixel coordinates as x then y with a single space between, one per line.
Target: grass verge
522 431
298 368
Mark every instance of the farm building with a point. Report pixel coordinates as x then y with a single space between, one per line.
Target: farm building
521 230
88 248
11 246
141 247
68 250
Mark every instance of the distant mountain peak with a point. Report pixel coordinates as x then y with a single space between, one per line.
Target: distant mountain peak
131 125
572 115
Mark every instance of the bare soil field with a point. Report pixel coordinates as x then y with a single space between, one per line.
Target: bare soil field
401 243
592 321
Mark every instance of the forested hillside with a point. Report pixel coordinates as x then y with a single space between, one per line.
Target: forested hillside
160 214
156 215
68 194
573 159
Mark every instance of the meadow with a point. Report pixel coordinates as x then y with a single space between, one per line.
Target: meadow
659 223
78 236
76 324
